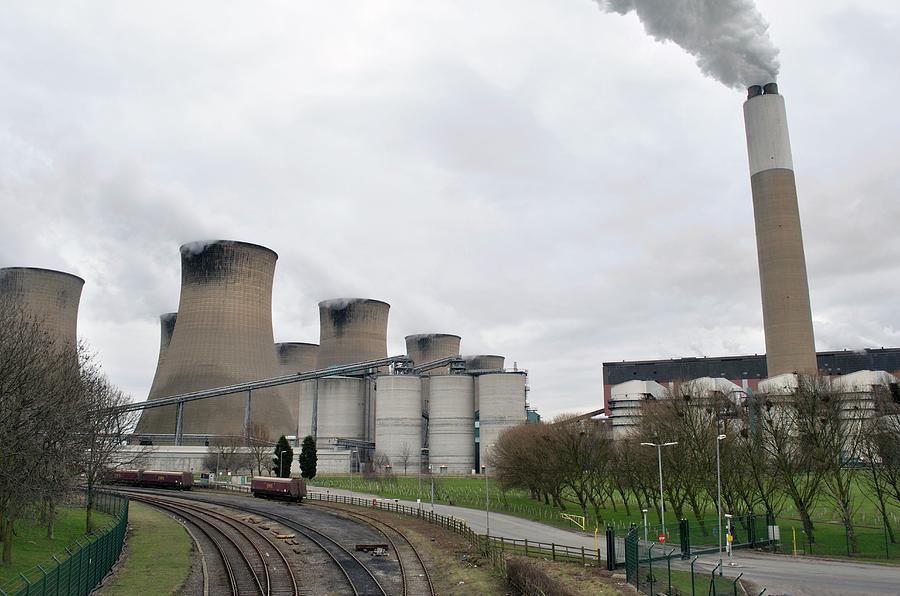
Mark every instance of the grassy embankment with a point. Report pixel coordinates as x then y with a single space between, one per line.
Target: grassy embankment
469 492
31 547
157 557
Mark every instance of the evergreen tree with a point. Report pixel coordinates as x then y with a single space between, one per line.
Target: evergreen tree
284 455
308 458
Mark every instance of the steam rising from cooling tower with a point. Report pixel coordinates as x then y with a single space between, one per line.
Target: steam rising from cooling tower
51 297
729 38
223 336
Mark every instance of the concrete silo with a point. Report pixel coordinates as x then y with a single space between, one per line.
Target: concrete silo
428 347
352 330
49 296
398 421
451 424
502 406
297 357
787 317
223 336
340 408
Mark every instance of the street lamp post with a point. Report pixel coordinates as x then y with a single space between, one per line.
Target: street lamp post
644 511
719 498
487 510
662 507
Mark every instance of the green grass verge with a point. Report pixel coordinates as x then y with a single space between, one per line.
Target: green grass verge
470 492
31 547
157 557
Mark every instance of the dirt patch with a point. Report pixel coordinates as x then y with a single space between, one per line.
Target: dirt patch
454 565
585 580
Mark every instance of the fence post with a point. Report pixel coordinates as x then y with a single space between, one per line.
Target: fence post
693 586
684 538
553 550
650 566
610 548
583 562
734 589
526 547
751 525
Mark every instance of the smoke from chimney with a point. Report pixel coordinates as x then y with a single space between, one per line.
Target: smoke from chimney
729 38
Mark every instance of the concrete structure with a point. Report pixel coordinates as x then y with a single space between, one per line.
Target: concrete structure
484 362
297 356
352 330
502 406
166 329
223 336
428 347
51 297
626 404
398 421
451 424
340 409
785 384
787 318
306 395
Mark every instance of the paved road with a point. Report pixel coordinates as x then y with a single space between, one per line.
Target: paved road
781 575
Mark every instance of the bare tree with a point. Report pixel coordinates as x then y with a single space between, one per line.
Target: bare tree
785 425
259 444
227 454
405 453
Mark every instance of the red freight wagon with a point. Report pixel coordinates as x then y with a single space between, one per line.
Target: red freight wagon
178 480
124 477
293 489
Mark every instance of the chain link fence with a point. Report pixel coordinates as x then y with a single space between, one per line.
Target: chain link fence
84 563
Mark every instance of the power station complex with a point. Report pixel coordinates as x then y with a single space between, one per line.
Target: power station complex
382 415
220 373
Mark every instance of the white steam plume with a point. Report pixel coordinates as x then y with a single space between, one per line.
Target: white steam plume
729 38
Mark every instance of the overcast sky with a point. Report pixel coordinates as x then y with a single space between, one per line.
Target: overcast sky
539 177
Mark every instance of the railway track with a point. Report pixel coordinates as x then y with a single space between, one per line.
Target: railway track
360 579
414 574
251 563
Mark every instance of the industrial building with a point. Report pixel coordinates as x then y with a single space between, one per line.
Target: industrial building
744 371
410 418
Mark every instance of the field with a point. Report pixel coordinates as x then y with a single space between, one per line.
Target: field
31 546
470 492
157 556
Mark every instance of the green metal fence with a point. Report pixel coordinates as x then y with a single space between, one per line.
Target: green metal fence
84 563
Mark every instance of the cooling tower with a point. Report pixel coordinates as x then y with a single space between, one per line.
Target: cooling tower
166 329
398 421
223 336
787 318
502 406
451 424
352 330
428 347
484 362
341 409
296 357
49 296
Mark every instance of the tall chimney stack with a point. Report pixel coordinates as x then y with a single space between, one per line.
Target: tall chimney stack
787 318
